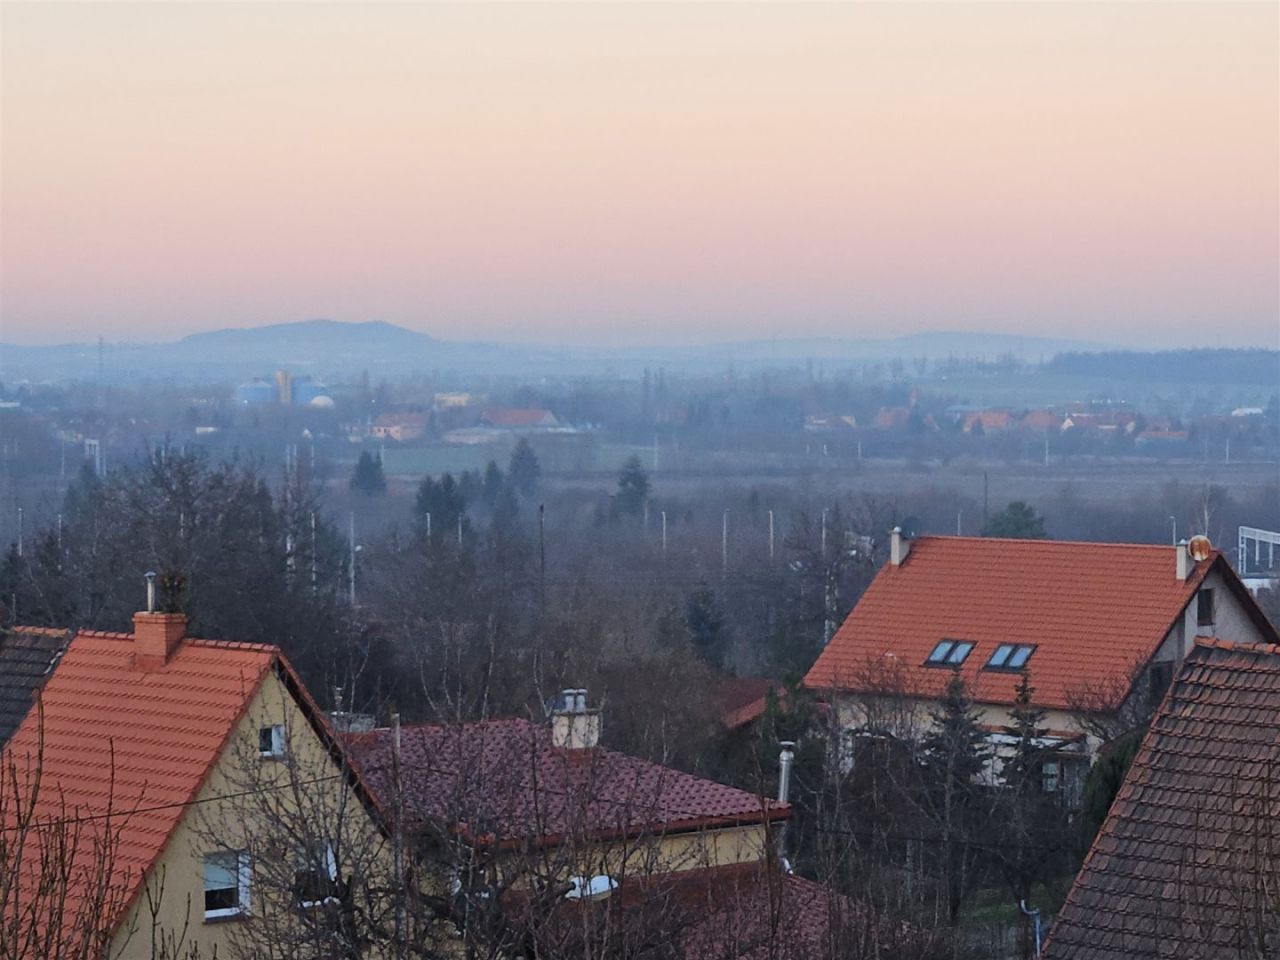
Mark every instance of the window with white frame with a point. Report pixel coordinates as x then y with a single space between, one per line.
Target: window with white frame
226 884
1050 776
271 741
315 881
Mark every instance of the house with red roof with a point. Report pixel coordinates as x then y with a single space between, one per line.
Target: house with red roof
133 789
1099 627
400 427
518 419
545 821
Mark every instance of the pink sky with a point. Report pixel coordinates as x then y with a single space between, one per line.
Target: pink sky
628 173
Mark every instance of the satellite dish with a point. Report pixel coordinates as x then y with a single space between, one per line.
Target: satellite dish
1199 547
591 888
910 527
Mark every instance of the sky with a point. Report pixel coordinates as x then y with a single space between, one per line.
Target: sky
635 173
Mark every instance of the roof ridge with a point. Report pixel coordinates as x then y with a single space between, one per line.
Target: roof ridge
37 631
1237 646
1047 541
232 644
453 724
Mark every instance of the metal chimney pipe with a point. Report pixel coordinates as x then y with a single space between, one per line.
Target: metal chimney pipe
151 590
786 760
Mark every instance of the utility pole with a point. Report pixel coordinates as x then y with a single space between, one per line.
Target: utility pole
19 531
313 551
542 554
459 528
664 534
351 572
1046 451
770 535
655 453
986 500
724 545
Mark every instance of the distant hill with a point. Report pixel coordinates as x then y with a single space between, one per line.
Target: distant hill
1200 366
309 336
338 351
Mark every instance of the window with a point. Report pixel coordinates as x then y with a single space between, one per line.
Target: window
271 741
949 653
226 884
1050 776
1204 608
315 882
1011 656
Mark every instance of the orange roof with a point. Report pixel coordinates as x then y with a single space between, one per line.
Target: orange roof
510 417
132 743
1040 420
1093 610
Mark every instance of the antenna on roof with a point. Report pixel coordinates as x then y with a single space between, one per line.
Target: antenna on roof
1199 547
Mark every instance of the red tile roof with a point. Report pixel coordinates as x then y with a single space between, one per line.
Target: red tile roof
512 417
502 780
1182 864
1095 611
741 700
136 744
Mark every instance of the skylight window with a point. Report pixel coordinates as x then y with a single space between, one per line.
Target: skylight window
1011 656
949 653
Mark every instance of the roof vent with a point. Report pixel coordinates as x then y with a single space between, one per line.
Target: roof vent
1182 567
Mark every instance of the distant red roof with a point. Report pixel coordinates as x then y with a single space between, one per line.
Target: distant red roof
1095 611
513 418
503 781
1040 420
743 699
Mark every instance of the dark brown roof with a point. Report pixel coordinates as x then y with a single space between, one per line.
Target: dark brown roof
503 780
1185 864
27 658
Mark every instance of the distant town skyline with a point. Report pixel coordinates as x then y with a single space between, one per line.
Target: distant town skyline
645 172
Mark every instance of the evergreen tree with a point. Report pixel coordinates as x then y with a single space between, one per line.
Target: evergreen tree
1022 770
1034 833
1018 522
955 754
524 471
368 477
633 489
705 623
438 507
493 484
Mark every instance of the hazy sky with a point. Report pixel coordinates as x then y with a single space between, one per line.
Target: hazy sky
632 172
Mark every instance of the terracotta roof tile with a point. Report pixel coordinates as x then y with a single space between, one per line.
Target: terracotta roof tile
1095 611
1182 866
503 779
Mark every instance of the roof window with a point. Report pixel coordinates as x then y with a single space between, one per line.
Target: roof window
949 653
1011 656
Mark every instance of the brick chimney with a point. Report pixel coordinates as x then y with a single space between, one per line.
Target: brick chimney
573 726
155 637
